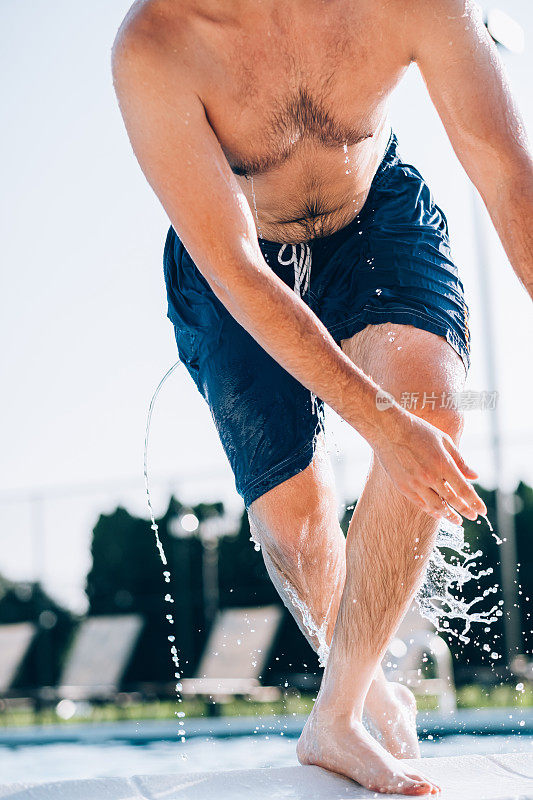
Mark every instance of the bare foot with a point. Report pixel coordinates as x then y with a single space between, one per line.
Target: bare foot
391 709
342 745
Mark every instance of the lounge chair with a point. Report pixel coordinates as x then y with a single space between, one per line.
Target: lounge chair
15 642
98 657
235 655
415 644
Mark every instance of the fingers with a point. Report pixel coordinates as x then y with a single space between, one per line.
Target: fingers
437 507
430 502
445 491
431 473
459 460
466 494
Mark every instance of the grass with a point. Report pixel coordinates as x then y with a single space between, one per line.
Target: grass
503 696
472 696
155 710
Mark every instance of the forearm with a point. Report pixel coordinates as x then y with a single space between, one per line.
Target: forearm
294 336
510 205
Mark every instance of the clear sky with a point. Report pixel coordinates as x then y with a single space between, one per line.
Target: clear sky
83 326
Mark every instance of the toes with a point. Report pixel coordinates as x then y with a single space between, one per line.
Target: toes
417 786
434 788
419 789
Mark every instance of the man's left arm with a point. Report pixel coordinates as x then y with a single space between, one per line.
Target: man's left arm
467 84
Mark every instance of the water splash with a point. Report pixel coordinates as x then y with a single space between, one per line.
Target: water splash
315 632
166 573
491 529
437 598
256 543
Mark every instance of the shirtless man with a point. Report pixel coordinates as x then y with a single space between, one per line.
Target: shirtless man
306 261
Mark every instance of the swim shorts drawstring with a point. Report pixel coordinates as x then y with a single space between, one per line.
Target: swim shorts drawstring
302 265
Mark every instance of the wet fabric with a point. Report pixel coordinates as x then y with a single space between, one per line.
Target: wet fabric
392 263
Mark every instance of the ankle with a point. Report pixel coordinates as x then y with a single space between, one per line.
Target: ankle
335 710
388 694
344 688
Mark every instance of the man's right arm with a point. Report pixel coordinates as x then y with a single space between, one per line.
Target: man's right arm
183 161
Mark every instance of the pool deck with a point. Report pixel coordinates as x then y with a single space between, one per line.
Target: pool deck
501 777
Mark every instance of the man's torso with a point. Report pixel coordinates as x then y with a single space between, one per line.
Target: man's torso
296 94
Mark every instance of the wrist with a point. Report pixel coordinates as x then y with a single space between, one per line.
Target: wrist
380 417
370 410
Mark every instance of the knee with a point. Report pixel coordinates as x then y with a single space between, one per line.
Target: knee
288 531
449 420
437 404
292 519
422 372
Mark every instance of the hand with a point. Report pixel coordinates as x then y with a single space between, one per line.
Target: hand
426 467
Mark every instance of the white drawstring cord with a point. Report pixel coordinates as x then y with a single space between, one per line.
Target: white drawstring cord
302 265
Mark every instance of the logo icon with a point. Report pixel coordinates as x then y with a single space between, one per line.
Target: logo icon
384 400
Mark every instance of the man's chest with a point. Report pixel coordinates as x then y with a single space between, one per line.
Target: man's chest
267 94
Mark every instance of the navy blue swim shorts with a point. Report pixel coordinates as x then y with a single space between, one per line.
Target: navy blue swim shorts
392 263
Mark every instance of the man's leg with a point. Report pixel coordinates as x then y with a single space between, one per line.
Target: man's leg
303 546
388 545
415 361
304 549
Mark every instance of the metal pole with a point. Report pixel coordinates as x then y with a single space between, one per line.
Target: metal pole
38 538
43 654
504 502
210 577
183 609
182 565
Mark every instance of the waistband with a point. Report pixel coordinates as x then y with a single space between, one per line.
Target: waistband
390 158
